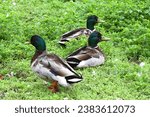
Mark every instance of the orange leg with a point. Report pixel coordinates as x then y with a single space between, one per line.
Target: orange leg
54 87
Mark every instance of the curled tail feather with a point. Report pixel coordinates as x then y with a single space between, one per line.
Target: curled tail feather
73 79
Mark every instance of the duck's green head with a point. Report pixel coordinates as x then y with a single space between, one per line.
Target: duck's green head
91 21
94 38
38 43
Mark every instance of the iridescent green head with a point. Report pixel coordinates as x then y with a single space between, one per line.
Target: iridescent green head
94 39
91 21
38 43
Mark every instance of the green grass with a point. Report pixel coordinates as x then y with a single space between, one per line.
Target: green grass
121 77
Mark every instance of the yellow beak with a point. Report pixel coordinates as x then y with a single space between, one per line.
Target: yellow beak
27 42
105 38
100 21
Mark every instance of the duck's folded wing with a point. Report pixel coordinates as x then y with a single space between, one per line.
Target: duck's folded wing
85 56
80 55
73 34
59 70
83 53
58 66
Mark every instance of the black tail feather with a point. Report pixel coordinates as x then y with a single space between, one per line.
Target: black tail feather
73 62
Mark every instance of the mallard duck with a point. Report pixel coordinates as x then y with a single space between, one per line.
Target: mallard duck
90 55
51 67
91 21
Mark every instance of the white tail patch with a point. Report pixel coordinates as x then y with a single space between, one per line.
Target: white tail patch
74 80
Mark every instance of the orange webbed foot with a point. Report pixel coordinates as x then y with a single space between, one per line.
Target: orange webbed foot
54 87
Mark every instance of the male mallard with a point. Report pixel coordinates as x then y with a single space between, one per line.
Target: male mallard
91 21
89 55
51 67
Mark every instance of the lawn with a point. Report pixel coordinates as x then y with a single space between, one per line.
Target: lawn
126 72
